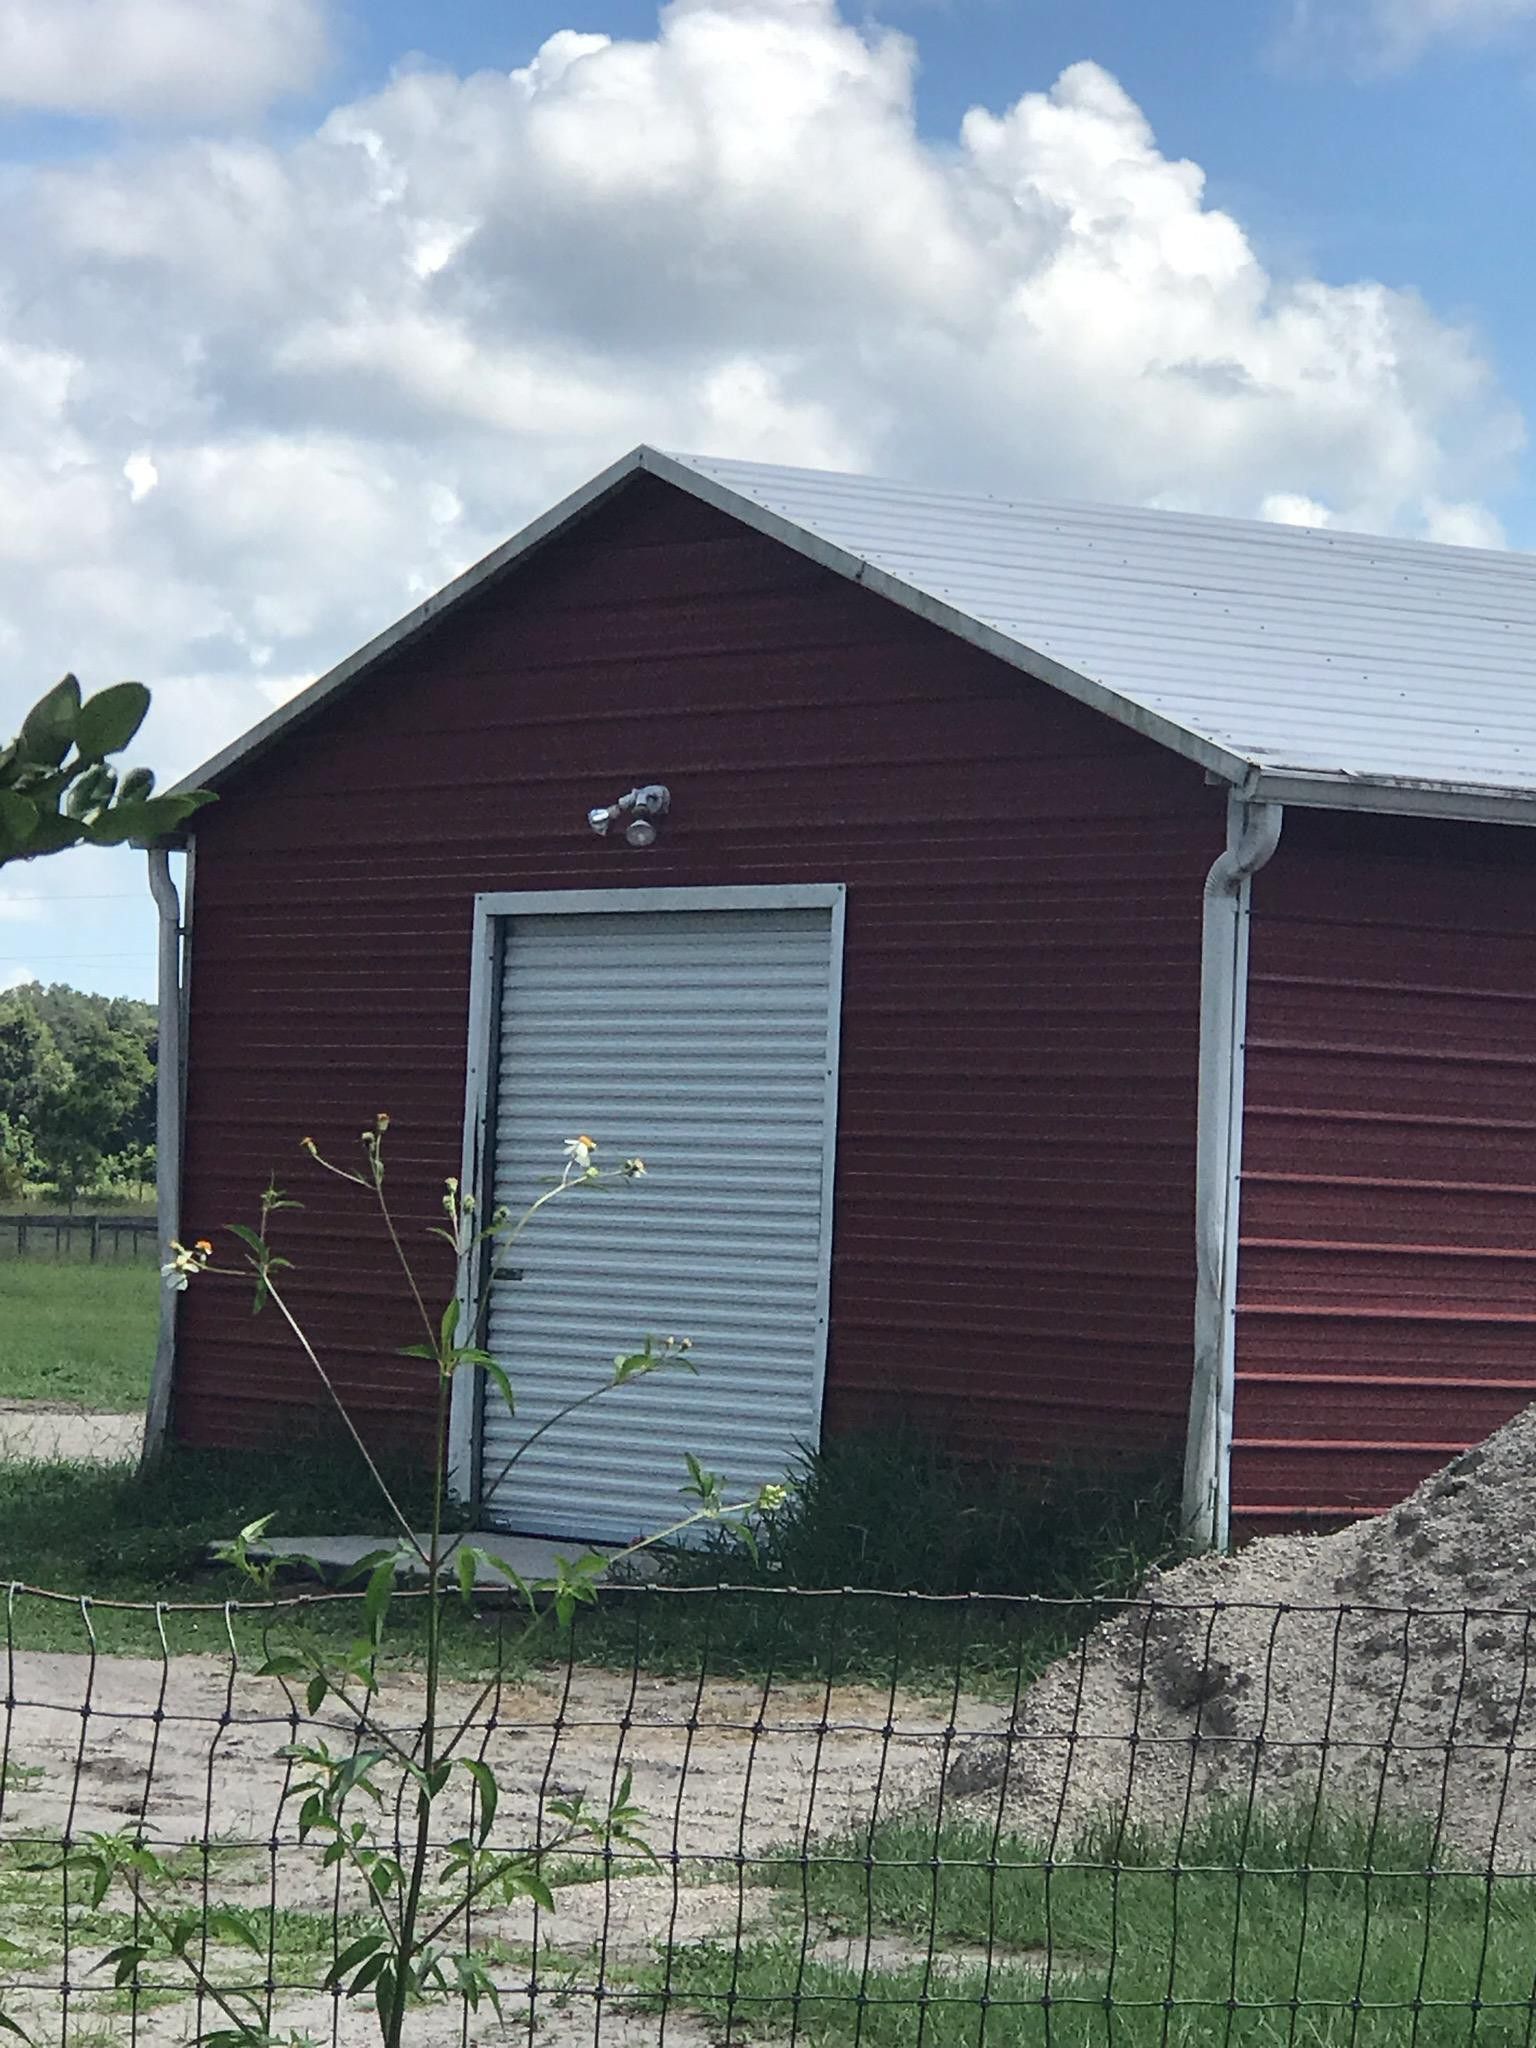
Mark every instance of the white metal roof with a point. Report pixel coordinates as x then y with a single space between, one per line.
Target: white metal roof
1304 652
1304 664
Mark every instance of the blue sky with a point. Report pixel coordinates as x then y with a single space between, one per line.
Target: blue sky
305 303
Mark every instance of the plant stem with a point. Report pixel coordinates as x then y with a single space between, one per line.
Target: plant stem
433 1334
341 1409
410 1947
198 1973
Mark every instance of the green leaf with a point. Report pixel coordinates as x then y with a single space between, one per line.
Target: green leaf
449 1328
416 1351
485 1785
354 1953
148 820
282 1664
52 834
315 1693
18 821
93 791
511 1574
367 1564
381 1585
228 1925
10 2026
107 721
468 1558
124 1961
136 784
49 726
530 1885
574 1584
497 1375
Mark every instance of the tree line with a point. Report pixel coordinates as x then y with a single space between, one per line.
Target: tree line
77 1091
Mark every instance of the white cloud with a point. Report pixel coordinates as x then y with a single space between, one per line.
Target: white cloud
1463 526
141 474
258 398
198 59
1290 508
1389 34
15 977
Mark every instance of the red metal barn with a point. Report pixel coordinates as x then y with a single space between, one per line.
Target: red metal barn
1079 994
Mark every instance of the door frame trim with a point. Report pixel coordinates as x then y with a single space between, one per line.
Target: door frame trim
493 910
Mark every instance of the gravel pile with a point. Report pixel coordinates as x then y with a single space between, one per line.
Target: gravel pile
1388 1666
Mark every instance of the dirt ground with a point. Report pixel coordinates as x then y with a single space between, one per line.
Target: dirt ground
724 1772
34 1430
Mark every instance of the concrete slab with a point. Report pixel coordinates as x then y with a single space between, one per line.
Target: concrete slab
531 1557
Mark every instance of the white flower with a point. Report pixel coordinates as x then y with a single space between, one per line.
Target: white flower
580 1152
181 1266
633 1169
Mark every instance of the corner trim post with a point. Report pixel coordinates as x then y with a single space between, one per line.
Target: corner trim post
170 1077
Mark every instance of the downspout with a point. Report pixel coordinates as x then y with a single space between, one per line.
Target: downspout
168 1098
1253 832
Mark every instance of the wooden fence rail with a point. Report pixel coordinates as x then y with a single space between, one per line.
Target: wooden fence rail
95 1237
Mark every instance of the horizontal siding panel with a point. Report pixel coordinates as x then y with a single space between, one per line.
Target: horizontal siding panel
1012 1266
1387 1280
1313 1414
1389 1144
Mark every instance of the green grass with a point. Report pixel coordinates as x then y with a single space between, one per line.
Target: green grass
1268 1932
83 1530
896 1512
79 1332
106 1532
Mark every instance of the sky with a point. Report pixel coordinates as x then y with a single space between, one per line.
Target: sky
305 304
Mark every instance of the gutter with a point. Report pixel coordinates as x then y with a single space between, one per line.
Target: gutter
1253 832
169 1082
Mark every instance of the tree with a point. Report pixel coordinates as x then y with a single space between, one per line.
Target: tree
56 788
19 1161
75 1127
33 1071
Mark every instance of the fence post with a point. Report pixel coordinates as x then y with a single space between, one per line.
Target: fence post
95 1238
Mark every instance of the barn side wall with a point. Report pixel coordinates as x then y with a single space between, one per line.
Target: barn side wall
1387 1278
1012 1264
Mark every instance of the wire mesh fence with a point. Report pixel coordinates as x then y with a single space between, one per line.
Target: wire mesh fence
860 1818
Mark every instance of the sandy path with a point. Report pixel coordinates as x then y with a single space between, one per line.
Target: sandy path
723 1772
37 1431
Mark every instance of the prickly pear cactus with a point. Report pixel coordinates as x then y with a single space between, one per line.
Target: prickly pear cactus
58 787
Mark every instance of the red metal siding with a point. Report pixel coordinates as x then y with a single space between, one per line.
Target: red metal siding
1013 1229
1387 1283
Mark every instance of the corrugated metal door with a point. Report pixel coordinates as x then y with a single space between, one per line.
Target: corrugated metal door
703 1040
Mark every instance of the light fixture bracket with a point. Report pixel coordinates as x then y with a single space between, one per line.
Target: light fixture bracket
638 810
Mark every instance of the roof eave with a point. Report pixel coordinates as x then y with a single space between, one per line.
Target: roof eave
1338 791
